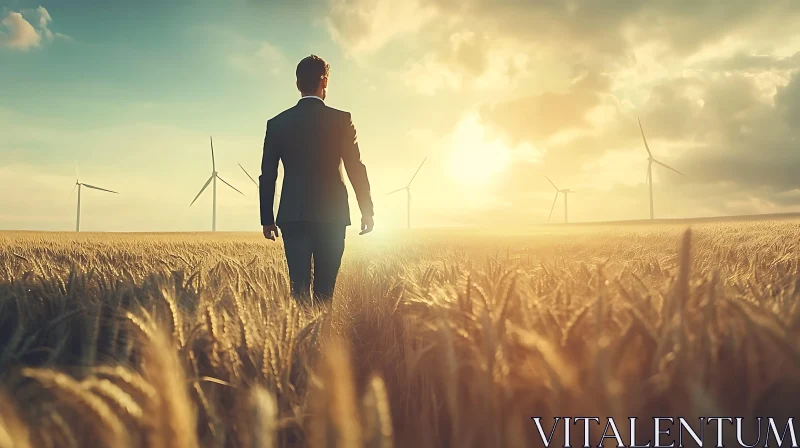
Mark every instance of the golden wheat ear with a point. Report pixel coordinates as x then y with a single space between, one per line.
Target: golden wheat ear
376 415
334 412
107 427
263 411
14 432
173 412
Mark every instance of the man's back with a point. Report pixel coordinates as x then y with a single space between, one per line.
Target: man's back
312 140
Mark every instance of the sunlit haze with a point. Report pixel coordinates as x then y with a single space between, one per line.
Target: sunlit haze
496 95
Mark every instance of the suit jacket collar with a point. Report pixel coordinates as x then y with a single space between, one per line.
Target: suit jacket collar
312 96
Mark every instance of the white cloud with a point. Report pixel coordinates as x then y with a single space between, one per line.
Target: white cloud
469 63
428 76
44 22
250 56
21 35
364 26
258 58
27 29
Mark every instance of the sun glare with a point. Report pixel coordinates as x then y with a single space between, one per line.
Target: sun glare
475 159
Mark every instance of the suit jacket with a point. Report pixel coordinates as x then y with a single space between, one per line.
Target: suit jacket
312 140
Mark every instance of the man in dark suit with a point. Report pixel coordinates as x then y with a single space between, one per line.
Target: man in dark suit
312 140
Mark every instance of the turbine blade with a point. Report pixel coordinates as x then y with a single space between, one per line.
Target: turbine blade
77 175
248 175
223 181
553 207
668 167
647 176
395 191
415 173
213 162
551 182
202 190
98 188
644 139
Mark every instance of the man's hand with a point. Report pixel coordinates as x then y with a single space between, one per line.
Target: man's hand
271 232
367 223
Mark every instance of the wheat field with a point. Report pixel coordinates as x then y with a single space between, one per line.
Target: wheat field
448 338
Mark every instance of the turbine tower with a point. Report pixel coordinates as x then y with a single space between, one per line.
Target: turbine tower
408 193
213 179
277 196
79 185
650 161
566 193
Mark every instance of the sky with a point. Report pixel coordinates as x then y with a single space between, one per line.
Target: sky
493 95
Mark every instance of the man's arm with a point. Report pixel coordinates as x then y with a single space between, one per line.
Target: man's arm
268 177
356 171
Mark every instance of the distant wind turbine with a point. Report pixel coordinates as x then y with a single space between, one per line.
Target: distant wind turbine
566 193
277 196
408 193
213 179
79 185
650 161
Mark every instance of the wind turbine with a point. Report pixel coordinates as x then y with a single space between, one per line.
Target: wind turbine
256 183
408 193
213 179
566 193
650 161
79 185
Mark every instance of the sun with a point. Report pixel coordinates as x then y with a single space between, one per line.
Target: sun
476 160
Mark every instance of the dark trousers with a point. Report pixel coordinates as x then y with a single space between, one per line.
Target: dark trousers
322 242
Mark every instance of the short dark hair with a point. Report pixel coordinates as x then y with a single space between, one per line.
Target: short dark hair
310 72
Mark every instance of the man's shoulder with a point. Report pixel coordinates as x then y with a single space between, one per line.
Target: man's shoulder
338 112
292 114
281 116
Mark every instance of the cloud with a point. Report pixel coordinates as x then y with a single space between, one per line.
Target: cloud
733 133
746 138
746 62
715 85
608 29
540 116
467 61
736 144
44 22
258 58
486 63
364 26
429 76
597 31
21 34
252 57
